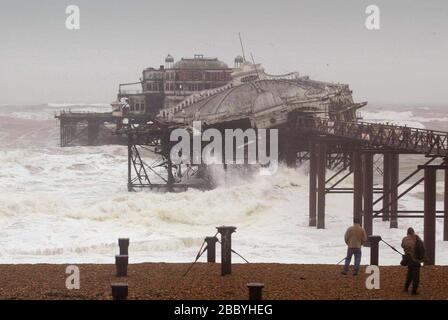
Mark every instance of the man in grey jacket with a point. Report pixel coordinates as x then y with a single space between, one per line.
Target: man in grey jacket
355 237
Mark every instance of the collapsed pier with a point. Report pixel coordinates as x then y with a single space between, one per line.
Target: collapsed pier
317 123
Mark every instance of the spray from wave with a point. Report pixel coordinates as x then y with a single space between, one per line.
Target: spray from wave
69 205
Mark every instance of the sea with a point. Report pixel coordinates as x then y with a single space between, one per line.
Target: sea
70 205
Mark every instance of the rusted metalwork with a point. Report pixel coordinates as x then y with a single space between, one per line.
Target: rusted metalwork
357 187
335 175
313 186
411 175
394 180
321 169
445 219
385 205
386 188
333 187
226 249
429 223
83 128
377 212
160 172
377 135
368 193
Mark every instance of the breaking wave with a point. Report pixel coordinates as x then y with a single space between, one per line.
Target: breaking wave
69 205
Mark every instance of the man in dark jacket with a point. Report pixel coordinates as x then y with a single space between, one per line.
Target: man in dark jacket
414 255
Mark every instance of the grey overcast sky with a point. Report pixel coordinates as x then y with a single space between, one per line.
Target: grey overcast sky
403 63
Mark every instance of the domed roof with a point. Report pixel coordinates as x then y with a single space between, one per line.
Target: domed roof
247 98
266 100
199 62
169 58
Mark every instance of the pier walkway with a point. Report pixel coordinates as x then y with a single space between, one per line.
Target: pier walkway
360 142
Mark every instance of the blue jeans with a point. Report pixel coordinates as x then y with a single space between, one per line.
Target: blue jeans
350 253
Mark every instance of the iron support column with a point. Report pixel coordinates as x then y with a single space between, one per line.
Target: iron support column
394 180
430 215
322 166
357 186
445 211
386 186
92 132
368 193
313 186
129 163
166 146
61 131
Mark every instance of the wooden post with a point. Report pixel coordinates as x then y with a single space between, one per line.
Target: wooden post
211 249
321 170
313 186
357 186
119 291
374 250
121 264
226 249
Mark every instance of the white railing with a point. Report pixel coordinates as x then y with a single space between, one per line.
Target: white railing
288 76
196 97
